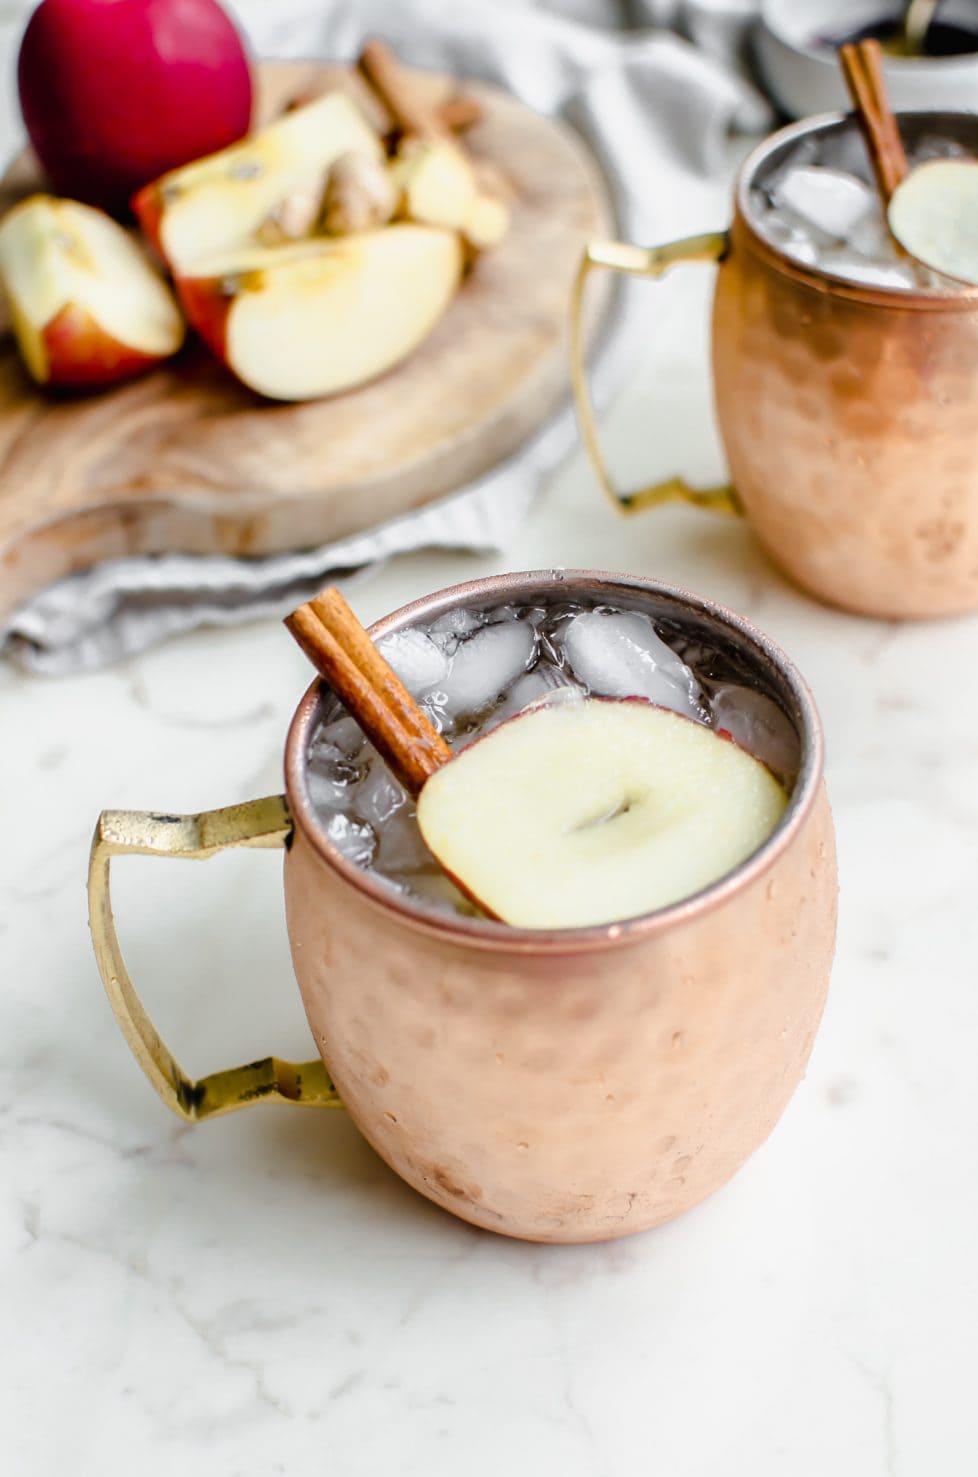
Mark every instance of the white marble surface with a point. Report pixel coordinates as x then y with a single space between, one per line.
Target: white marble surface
261 1295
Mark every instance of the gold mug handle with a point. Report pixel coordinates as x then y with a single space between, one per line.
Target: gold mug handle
638 261
258 823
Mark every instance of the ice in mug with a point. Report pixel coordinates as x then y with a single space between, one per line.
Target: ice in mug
472 669
821 208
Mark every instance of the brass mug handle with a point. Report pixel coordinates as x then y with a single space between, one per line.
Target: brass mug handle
261 823
638 261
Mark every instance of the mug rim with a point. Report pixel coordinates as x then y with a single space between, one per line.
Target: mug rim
964 295
484 933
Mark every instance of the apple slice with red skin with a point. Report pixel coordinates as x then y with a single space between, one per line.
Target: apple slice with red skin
87 307
584 813
219 203
321 316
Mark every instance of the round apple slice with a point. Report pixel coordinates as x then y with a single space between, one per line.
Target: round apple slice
87 308
589 812
934 215
298 322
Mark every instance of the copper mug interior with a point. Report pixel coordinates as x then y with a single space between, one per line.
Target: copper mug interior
848 413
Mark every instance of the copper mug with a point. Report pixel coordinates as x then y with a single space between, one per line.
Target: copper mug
849 414
565 1086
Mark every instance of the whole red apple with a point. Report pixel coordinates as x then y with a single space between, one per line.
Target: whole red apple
116 92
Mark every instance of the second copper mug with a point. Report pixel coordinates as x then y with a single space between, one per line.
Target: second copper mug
849 413
568 1085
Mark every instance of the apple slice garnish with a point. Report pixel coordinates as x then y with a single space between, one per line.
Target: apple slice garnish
318 317
934 216
86 306
218 203
585 813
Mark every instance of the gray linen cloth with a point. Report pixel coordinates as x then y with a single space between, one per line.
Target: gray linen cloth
655 110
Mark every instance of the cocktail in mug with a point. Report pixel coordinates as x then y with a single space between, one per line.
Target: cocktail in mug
843 373
557 1083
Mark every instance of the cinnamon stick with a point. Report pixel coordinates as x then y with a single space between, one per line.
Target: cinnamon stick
862 71
459 112
342 651
456 114
404 100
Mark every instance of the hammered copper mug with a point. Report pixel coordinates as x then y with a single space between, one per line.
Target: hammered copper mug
849 414
573 1085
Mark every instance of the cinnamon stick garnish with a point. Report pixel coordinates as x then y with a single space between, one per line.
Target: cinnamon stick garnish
339 647
407 103
862 71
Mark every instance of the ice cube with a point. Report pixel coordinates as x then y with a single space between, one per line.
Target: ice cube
400 848
870 237
343 733
933 146
448 629
758 725
433 706
379 795
419 662
843 150
545 682
325 755
355 840
801 251
330 773
486 664
620 655
785 229
435 888
855 268
326 792
827 199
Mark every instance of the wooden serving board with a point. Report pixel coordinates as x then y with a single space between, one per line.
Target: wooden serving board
186 459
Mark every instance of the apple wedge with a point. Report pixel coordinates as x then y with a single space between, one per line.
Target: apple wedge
298 322
437 181
934 215
588 812
86 306
440 187
220 202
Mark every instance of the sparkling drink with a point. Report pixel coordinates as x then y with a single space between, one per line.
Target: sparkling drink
473 668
